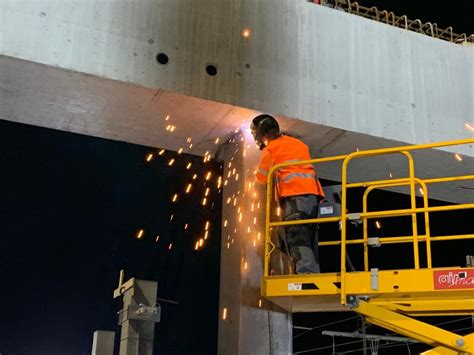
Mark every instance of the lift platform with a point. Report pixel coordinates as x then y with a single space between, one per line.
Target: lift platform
387 298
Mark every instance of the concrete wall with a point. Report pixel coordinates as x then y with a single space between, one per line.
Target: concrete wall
260 326
303 61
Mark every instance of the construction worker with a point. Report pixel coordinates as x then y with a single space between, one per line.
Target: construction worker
298 190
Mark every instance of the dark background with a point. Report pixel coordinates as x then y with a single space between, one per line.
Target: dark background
70 209
457 14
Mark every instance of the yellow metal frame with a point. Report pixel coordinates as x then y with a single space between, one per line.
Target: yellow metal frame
406 291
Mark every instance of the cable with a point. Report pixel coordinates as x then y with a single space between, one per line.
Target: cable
383 346
324 325
395 344
326 347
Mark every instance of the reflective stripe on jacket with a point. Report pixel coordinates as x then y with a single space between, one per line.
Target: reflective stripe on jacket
291 180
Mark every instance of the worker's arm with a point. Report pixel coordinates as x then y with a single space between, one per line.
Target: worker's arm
266 162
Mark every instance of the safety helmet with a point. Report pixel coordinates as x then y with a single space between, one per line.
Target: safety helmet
264 125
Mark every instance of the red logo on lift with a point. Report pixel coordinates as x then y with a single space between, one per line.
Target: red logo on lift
453 279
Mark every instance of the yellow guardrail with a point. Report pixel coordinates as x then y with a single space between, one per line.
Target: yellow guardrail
411 181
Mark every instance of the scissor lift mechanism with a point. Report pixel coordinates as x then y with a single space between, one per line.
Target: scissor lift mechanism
387 298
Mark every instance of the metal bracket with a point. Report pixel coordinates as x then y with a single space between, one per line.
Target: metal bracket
469 260
352 301
373 242
123 286
353 216
374 279
141 313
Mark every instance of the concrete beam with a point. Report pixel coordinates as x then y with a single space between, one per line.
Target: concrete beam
301 60
36 94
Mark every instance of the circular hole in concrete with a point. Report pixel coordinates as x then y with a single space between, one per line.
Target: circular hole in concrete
211 69
162 58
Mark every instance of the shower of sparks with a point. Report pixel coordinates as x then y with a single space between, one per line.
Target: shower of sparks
149 157
390 174
201 242
458 157
171 162
216 141
225 223
207 191
195 176
246 33
260 303
204 201
186 226
157 238
206 227
188 140
224 314
378 224
188 188
421 192
208 176
246 265
180 150
161 152
206 234
188 166
170 246
469 127
175 197
140 234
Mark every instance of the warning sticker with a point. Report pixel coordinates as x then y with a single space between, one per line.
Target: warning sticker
327 210
295 287
453 279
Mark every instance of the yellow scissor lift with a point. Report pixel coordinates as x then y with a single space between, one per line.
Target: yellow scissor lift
387 298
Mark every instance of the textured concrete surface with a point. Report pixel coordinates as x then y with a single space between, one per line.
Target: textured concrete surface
262 328
50 97
300 60
103 343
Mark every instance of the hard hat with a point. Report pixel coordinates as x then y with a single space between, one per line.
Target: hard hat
264 125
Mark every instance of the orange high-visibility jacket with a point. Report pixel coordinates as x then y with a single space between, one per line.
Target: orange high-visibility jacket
291 180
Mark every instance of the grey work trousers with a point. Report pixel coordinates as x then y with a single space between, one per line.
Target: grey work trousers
302 239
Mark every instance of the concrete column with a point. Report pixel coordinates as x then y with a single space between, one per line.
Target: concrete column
103 343
137 335
248 324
